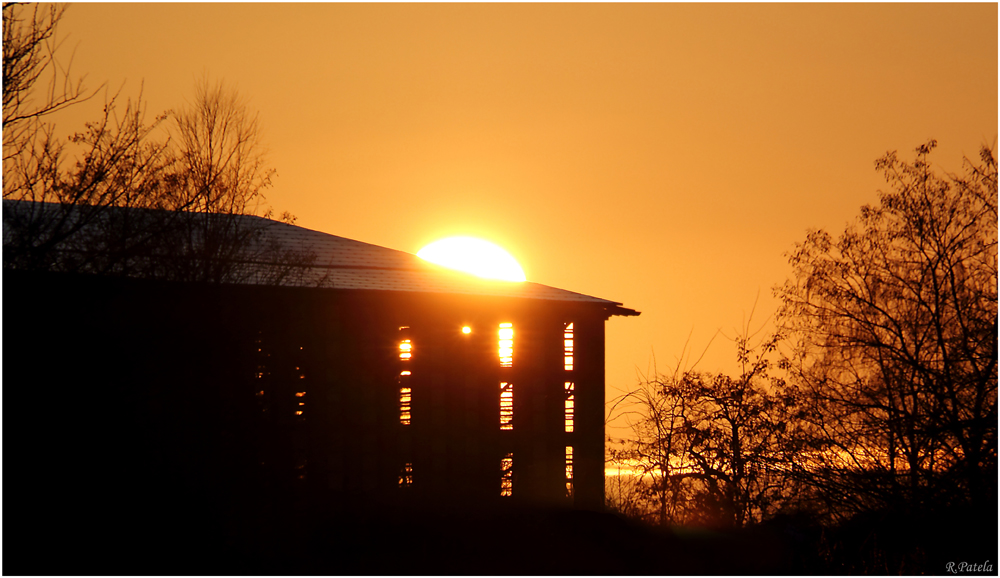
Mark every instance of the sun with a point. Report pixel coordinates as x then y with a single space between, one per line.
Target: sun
476 256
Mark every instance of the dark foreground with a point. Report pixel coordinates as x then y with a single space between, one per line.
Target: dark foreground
511 542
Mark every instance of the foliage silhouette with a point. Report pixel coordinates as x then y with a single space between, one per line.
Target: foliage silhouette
893 330
121 198
871 441
709 448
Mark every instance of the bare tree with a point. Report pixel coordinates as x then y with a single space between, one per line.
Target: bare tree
62 200
224 166
894 327
30 43
217 185
710 448
128 201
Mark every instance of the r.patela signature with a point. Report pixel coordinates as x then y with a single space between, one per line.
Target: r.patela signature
963 567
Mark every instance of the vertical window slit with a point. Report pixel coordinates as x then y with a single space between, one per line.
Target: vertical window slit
506 344
506 405
507 475
405 388
405 398
569 405
569 471
406 475
568 347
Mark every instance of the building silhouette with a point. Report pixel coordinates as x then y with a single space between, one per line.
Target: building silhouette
348 378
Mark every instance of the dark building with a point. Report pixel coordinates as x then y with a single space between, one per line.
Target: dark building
366 379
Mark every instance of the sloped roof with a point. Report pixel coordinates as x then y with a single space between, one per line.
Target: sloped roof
348 264
322 260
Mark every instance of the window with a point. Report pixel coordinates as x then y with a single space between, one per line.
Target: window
405 398
568 347
506 344
507 475
300 402
569 471
405 388
506 405
406 475
569 405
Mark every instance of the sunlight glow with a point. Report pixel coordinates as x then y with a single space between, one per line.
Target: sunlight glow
476 256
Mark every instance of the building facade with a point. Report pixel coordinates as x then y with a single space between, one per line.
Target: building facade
365 379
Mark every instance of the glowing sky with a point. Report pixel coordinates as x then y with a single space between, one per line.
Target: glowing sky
664 156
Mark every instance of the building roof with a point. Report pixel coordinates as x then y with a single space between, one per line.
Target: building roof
328 261
348 264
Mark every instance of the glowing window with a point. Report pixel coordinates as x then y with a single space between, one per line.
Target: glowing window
405 388
405 398
506 405
406 475
404 405
570 403
507 475
506 344
568 347
300 402
569 471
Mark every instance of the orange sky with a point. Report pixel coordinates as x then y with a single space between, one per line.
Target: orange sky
664 156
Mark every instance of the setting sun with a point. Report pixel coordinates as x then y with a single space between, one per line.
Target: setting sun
476 256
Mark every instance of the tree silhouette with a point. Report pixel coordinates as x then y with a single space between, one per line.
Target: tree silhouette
893 326
130 201
710 448
30 43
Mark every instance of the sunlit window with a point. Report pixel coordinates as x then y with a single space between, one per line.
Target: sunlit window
568 347
300 402
405 389
569 471
507 475
570 402
406 475
405 345
506 405
506 344
405 396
